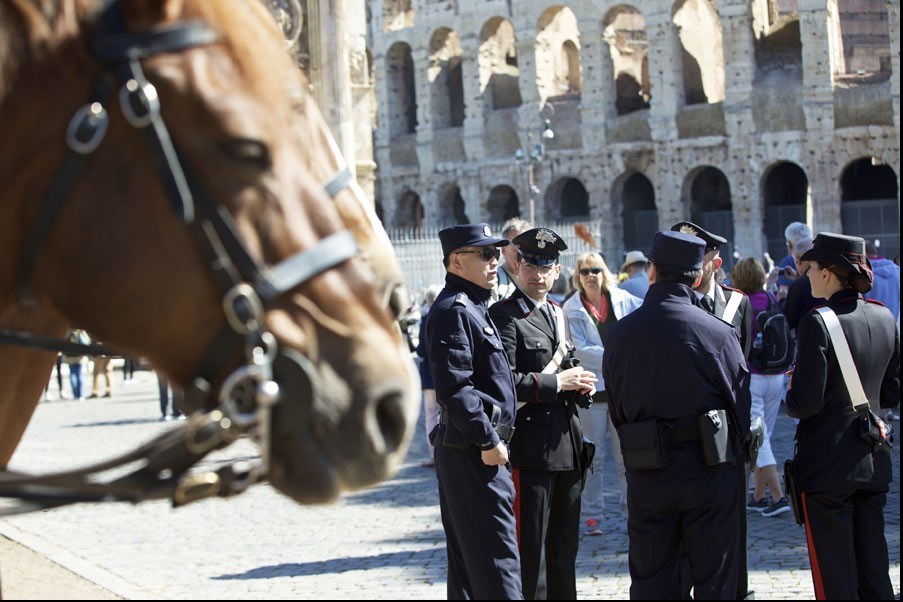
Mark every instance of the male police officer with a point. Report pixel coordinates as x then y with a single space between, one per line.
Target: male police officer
475 389
732 306
548 442
679 428
729 304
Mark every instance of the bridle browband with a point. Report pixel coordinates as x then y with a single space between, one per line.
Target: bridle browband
247 395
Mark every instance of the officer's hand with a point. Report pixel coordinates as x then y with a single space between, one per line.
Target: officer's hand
497 456
577 379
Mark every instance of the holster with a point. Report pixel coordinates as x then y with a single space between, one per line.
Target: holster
870 432
792 490
715 438
643 445
586 460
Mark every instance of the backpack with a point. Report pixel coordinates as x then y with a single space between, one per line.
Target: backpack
774 348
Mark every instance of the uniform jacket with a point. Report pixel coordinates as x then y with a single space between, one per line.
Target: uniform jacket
692 361
548 435
468 363
830 455
585 335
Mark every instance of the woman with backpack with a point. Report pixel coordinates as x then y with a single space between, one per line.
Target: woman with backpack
766 388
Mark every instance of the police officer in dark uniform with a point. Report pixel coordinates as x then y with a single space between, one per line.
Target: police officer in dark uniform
843 477
717 298
548 442
720 300
679 428
475 390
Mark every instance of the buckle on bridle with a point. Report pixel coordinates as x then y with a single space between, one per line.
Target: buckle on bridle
87 128
139 102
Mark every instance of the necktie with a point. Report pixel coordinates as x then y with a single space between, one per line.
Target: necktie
547 314
708 304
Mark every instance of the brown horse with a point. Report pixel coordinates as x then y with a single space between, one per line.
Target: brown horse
141 255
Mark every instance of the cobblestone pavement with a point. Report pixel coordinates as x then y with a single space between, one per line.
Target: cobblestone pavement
383 543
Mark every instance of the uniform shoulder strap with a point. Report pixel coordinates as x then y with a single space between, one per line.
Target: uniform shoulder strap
844 358
733 304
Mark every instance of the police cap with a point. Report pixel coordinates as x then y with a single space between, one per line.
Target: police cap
468 235
712 241
678 251
846 253
539 246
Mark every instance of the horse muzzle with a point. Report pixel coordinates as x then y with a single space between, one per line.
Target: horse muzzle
325 437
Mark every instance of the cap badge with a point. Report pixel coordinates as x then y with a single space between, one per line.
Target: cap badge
544 236
487 232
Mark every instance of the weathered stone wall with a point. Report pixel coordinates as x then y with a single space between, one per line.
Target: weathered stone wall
775 97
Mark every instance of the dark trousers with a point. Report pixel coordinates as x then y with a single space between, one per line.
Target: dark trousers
477 505
689 505
547 508
847 548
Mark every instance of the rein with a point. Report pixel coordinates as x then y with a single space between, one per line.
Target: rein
247 395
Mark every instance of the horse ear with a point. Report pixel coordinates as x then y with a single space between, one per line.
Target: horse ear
142 14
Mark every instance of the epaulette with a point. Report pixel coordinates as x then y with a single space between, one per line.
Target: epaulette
732 289
460 299
875 301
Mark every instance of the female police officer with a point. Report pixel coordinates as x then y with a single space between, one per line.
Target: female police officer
843 479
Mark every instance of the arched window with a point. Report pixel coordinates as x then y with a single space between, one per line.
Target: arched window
711 207
397 14
699 29
625 33
502 204
870 204
402 92
557 54
567 198
409 212
499 73
638 212
446 83
860 40
785 196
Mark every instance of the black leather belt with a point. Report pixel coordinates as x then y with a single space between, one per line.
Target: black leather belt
504 431
681 433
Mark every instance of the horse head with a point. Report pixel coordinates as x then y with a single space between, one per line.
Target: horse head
198 233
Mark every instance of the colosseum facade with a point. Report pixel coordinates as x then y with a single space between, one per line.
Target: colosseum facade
742 115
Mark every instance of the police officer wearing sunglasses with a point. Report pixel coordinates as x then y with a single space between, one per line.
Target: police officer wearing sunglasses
548 442
475 390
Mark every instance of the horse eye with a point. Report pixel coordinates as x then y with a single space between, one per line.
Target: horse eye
248 151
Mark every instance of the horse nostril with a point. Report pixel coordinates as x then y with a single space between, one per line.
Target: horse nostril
391 420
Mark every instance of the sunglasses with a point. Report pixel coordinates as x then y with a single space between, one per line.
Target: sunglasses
588 271
486 254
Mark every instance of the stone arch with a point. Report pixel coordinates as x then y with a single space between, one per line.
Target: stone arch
451 209
567 198
445 79
497 57
397 14
402 93
785 199
557 54
708 194
624 30
870 203
502 204
409 211
634 193
859 38
699 29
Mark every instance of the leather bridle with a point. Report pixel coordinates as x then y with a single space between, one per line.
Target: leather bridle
247 395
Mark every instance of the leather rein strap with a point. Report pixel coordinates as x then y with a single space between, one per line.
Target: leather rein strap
247 287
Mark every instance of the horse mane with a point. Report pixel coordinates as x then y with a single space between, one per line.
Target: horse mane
35 30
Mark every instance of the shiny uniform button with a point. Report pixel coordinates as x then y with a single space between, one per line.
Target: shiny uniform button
488 330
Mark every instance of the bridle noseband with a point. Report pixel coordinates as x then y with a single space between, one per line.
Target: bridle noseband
247 395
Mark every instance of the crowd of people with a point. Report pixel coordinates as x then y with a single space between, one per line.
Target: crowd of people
678 369
77 360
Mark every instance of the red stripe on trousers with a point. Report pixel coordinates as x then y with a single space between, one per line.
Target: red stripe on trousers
515 476
813 558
